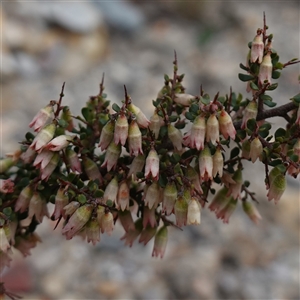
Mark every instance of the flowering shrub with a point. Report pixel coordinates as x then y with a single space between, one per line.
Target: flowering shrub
116 165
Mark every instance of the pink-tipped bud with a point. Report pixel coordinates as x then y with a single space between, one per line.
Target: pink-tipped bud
59 143
111 156
156 122
135 139
218 163
91 169
73 160
175 136
226 126
197 135
111 191
43 137
277 185
61 200
205 164
137 165
70 208
149 217
170 195
193 214
226 212
180 210
235 188
265 70
250 112
251 211
212 129
152 165
256 149
92 231
140 116
257 49
121 130
41 118
48 170
107 223
184 99
126 220
132 234
147 234
123 196
107 135
219 201
152 195
79 218
160 242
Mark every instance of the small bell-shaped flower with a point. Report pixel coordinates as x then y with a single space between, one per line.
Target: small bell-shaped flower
25 243
156 122
250 112
212 129
27 156
107 135
41 118
184 99
152 165
226 126
206 164
160 242
107 223
70 208
59 143
48 170
111 156
251 211
170 195
111 190
257 49
140 116
76 222
265 69
123 196
6 186
43 159
92 231
134 139
66 115
152 195
256 149
196 137
131 235
226 212
149 217
137 165
194 178
61 200
235 189
126 220
180 210
219 201
73 160
246 149
4 243
147 234
121 130
277 186
43 137
193 213
218 163
175 136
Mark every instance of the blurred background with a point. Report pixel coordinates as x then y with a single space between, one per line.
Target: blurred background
46 43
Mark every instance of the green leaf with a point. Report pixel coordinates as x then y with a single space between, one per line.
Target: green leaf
246 183
254 86
281 168
189 116
116 107
272 87
162 181
279 66
166 78
7 211
270 103
98 193
234 152
81 199
173 118
194 108
265 97
29 136
276 74
163 131
294 157
244 67
139 175
296 98
86 112
205 100
251 124
62 123
265 126
245 77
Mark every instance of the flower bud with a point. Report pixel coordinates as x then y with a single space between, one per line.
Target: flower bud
140 116
180 210
277 186
41 118
91 169
226 126
169 197
147 234
73 160
123 196
149 217
184 99
218 163
160 242
111 190
197 135
156 122
121 130
43 137
70 208
61 200
126 220
251 212
107 223
111 156
59 143
175 136
250 112
205 164
152 165
92 231
257 49
132 234
48 170
256 149
212 129
134 139
219 201
137 165
152 195
225 213
265 70
107 135
193 213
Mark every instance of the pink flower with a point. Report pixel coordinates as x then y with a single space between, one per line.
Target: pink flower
205 164
107 223
135 139
111 156
43 159
152 195
265 69
91 169
193 213
107 134
24 198
277 187
25 243
219 201
152 165
226 212
234 189
121 130
218 163
48 170
92 231
73 160
257 49
175 136
111 191
147 234
59 143
250 112
256 149
169 197
126 220
160 242
28 155
6 186
140 117
43 137
123 196
156 122
226 126
195 139
212 129
184 99
61 200
131 235
251 212
149 217
41 118
137 165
